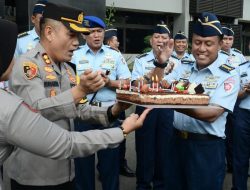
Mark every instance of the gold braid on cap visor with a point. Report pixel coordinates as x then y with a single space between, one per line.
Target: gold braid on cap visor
211 24
79 29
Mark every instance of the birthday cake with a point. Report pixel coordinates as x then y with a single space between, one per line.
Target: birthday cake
181 93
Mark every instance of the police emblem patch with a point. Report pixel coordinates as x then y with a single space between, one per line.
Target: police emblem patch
30 70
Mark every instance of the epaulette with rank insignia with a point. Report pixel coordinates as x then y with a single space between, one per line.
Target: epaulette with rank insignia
174 57
226 68
236 50
112 48
244 63
141 55
22 34
224 52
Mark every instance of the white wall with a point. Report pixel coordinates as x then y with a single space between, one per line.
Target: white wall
169 6
246 8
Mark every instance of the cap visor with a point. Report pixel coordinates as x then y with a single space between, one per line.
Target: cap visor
76 28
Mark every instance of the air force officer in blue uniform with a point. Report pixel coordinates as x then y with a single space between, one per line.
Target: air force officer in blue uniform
97 56
197 155
152 139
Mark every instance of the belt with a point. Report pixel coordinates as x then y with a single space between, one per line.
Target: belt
194 136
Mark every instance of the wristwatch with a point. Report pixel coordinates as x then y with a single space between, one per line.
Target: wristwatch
161 65
124 133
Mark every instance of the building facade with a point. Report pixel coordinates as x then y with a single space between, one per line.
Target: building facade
135 19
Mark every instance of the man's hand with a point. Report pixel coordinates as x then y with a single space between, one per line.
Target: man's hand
118 107
91 81
134 121
164 52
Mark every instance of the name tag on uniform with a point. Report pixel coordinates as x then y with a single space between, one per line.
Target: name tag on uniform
210 85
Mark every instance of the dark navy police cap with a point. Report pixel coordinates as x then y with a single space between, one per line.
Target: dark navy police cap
93 22
39 7
207 25
161 29
227 31
180 36
8 37
109 33
71 17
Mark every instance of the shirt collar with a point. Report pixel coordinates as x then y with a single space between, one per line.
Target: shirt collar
88 50
212 68
33 34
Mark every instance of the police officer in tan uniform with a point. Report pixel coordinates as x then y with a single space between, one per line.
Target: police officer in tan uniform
20 118
44 79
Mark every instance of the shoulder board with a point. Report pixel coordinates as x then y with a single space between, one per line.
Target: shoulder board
141 55
186 61
226 68
72 65
236 50
244 63
174 57
22 34
224 52
112 48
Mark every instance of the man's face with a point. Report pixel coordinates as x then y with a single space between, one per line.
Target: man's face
114 43
205 49
158 40
35 19
180 46
95 38
62 43
227 43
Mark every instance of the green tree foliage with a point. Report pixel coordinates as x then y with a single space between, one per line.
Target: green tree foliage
110 15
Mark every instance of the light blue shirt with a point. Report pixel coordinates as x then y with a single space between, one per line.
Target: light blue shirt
234 57
143 64
26 42
178 61
221 86
105 59
244 79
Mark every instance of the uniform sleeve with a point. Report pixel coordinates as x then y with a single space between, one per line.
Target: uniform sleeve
174 75
226 93
34 133
122 68
138 69
93 114
33 92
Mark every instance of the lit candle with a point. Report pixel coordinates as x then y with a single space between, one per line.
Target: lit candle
153 83
141 81
157 84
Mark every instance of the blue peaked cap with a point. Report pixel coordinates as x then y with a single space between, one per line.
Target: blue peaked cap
180 36
39 7
227 31
207 25
161 29
93 22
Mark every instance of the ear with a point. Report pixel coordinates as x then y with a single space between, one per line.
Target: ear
49 33
33 18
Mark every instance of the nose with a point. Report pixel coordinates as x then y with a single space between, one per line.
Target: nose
76 40
202 47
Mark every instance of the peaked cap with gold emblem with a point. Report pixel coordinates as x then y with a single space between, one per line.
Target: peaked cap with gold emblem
71 17
207 25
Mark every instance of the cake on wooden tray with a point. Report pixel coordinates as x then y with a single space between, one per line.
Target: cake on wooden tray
181 93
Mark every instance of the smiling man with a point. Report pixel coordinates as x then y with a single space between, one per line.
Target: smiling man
197 156
46 81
